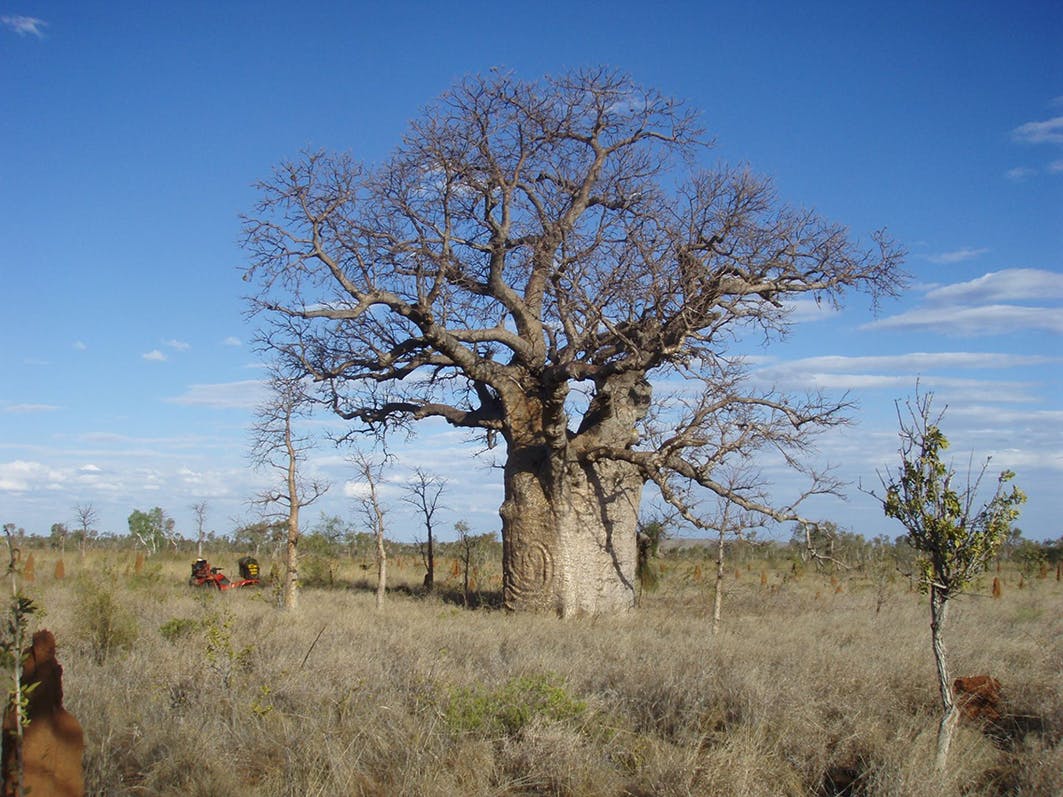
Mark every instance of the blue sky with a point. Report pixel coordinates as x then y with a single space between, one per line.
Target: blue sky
131 135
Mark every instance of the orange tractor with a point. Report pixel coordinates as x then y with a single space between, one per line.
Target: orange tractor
203 575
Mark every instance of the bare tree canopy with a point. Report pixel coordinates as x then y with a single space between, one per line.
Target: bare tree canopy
528 260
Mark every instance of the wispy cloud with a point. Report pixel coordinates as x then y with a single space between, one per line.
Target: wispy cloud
21 408
1049 131
898 372
1056 167
983 306
920 361
24 26
1019 173
177 345
246 394
1008 285
957 256
154 356
80 345
809 310
232 340
971 321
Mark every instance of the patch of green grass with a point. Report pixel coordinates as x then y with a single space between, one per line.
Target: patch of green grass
508 708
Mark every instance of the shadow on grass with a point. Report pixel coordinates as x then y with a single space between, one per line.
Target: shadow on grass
478 599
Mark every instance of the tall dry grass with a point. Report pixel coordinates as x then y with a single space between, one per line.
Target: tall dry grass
807 690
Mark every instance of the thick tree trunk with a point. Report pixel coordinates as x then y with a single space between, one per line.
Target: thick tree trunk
569 519
569 539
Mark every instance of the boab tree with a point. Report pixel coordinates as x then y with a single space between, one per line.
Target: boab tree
528 260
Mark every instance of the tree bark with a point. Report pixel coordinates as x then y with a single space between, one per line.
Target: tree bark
569 519
939 604
717 598
381 568
291 559
569 539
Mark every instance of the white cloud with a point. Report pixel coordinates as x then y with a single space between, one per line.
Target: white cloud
154 355
809 310
1049 131
957 256
21 475
1019 173
80 345
970 321
178 345
1056 167
984 306
916 362
21 408
357 490
1009 285
232 340
24 26
246 394
899 373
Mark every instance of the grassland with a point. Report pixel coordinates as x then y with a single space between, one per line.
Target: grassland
817 684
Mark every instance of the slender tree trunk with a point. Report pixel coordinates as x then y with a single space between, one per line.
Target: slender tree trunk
430 564
939 604
381 567
717 598
291 559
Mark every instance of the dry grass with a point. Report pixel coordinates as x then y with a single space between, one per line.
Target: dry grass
798 696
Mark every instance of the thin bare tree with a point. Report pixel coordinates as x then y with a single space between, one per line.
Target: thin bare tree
373 510
87 517
733 523
199 512
546 263
424 492
277 446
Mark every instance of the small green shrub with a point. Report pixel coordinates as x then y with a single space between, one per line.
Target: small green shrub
509 708
102 622
223 656
316 571
178 628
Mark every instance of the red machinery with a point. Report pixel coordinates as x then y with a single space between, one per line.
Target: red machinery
203 575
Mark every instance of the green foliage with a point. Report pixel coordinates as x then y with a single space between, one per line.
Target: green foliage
315 570
255 536
508 708
101 621
224 656
13 630
474 550
1031 557
152 529
179 628
956 540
